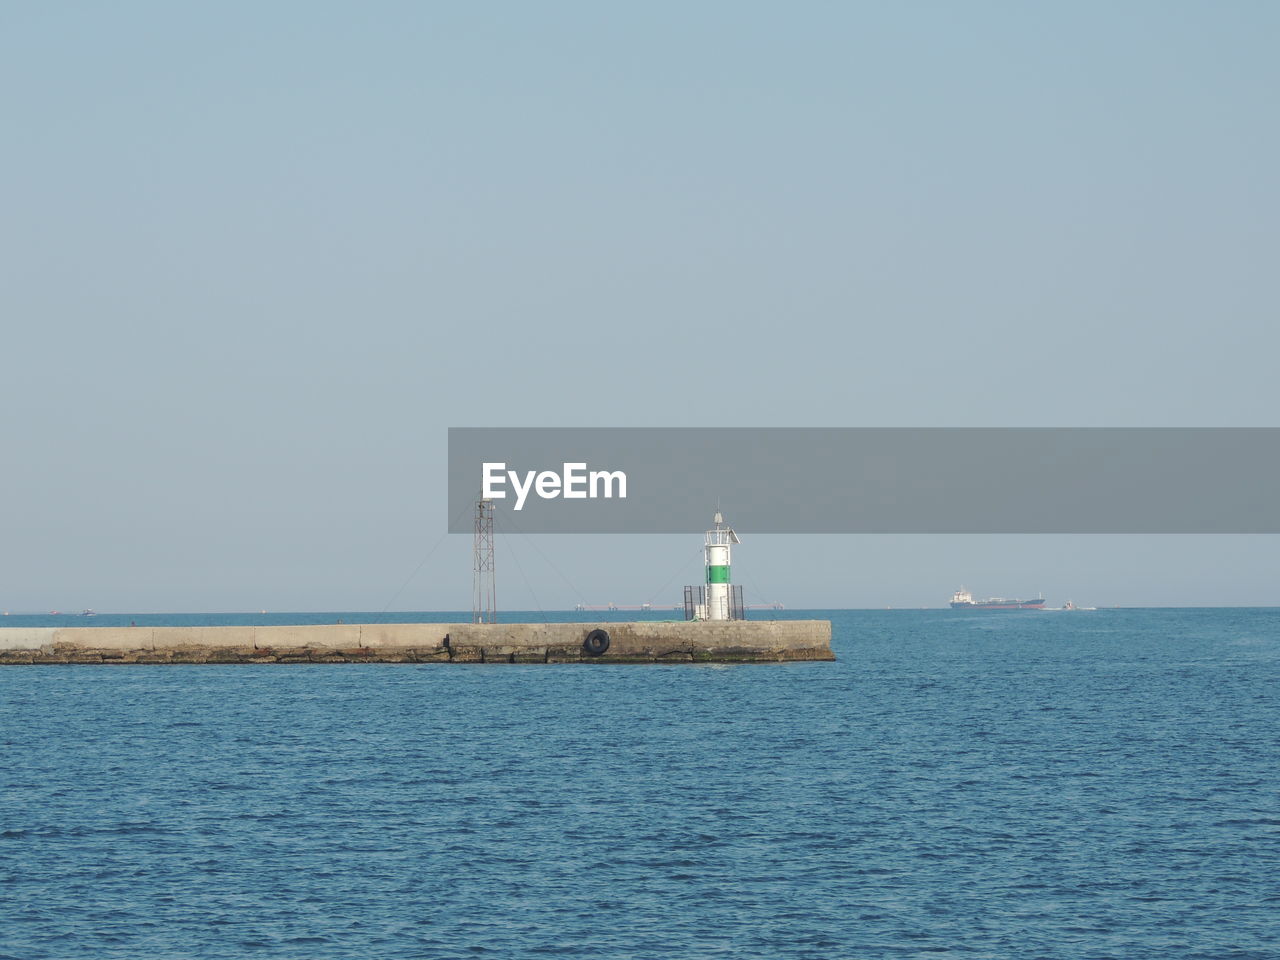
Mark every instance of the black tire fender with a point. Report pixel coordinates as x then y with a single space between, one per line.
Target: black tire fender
596 643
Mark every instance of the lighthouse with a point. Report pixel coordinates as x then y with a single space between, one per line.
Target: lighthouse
723 601
716 598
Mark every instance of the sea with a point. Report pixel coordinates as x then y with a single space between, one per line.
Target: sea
1056 784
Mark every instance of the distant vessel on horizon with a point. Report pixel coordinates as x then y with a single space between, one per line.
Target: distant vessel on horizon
962 599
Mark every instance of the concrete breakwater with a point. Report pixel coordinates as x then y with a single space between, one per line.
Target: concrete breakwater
738 641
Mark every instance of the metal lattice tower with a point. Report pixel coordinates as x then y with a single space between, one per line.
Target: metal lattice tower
484 594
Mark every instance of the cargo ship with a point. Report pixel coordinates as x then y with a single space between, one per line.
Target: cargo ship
962 599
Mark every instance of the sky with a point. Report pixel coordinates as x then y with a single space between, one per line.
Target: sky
257 258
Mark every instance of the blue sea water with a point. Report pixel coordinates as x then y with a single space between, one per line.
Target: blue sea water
1083 784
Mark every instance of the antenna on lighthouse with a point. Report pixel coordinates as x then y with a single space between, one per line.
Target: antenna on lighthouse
484 593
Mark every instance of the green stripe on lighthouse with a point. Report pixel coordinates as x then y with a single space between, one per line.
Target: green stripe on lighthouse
718 574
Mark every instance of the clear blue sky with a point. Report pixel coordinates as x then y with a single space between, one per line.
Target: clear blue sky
258 257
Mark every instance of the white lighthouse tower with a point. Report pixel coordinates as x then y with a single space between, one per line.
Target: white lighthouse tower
720 595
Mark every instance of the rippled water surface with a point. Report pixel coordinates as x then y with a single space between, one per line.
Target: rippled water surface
1087 784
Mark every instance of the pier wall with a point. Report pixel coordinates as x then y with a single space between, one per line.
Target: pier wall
738 641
